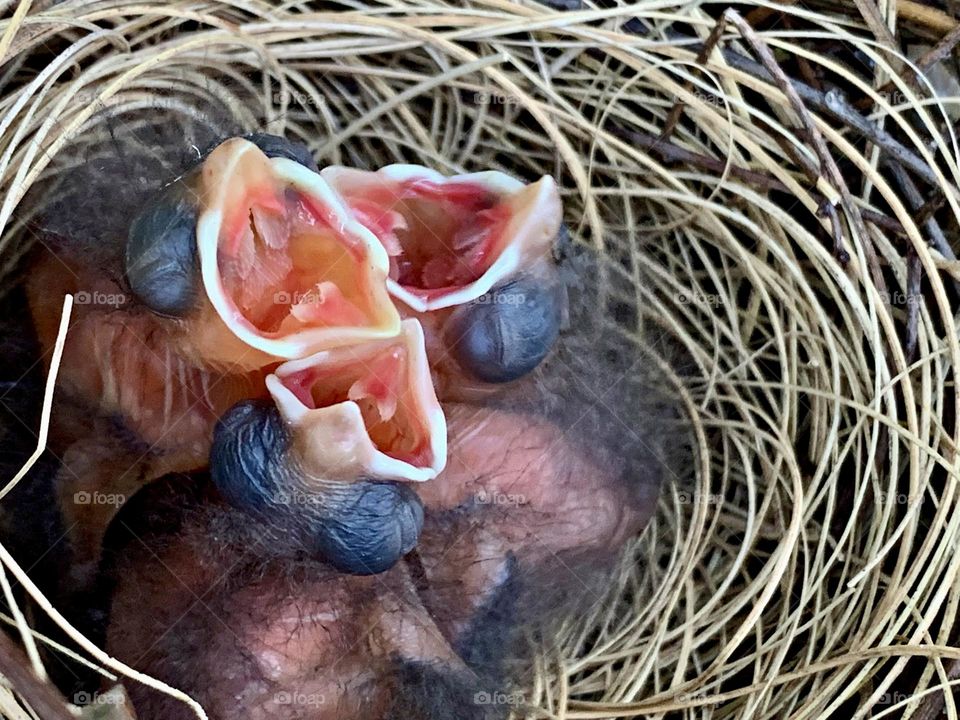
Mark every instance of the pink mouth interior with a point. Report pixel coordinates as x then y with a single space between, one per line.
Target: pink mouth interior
286 266
378 385
440 237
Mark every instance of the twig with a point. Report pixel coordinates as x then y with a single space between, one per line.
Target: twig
932 706
936 236
925 15
829 210
759 14
937 53
825 209
708 47
39 695
914 277
937 240
836 105
927 209
940 51
827 163
671 153
833 103
803 65
871 15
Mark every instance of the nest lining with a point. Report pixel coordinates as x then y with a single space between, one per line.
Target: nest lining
801 562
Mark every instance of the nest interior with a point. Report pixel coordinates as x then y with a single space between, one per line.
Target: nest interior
801 563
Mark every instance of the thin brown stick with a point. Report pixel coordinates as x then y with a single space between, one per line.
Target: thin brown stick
813 173
928 209
825 209
803 65
932 706
671 153
829 210
40 696
915 201
929 17
837 106
941 51
937 53
760 14
937 239
914 278
828 165
708 47
874 20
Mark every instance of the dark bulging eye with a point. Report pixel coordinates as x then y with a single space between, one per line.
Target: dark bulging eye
161 263
247 458
362 527
370 527
276 146
506 333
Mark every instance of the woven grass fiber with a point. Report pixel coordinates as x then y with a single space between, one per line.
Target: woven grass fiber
802 563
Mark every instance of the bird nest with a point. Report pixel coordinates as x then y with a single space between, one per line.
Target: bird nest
773 194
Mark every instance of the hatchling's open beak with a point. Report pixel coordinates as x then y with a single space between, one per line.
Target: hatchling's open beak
451 239
285 266
365 411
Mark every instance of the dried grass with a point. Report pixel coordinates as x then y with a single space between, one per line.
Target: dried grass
806 553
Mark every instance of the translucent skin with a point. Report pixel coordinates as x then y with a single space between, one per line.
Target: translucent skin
526 513
121 359
122 363
169 377
516 460
125 362
529 509
284 639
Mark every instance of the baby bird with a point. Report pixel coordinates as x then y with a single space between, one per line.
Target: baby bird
362 428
